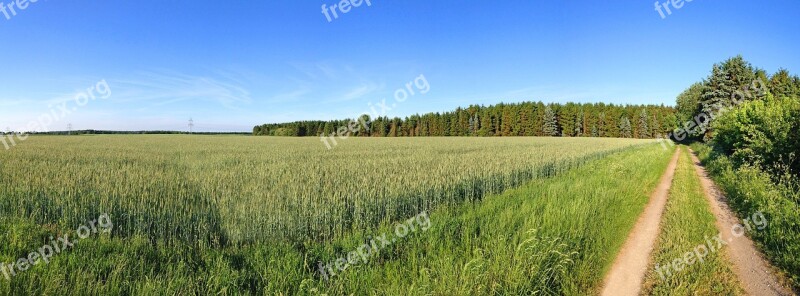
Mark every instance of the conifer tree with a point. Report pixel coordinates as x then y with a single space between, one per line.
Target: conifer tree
625 127
550 126
644 129
579 124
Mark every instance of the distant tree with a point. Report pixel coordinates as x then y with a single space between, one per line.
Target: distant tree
625 128
550 127
393 127
644 129
601 122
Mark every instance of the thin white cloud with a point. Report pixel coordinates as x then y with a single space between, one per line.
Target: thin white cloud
291 96
328 70
360 92
9 103
159 89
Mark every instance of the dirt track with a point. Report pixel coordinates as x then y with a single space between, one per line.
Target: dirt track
754 273
627 273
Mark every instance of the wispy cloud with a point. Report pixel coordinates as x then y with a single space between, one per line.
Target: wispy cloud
153 89
333 82
291 96
9 103
358 92
328 70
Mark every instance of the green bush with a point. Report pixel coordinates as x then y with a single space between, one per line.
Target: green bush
762 133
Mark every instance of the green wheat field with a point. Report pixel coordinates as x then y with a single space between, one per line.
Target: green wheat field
256 214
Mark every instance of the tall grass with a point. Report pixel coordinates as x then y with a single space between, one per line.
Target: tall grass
549 236
751 190
686 223
222 189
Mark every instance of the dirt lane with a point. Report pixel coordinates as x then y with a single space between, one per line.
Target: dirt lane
627 273
753 271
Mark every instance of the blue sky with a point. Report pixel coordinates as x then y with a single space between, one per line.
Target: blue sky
234 64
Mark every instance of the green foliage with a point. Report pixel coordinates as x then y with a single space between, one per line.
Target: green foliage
580 124
782 84
729 84
688 105
506 120
753 129
550 127
762 133
644 130
625 129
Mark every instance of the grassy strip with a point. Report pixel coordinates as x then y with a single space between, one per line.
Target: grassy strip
554 236
750 190
686 224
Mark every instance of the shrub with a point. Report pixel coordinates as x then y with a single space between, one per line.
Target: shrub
762 133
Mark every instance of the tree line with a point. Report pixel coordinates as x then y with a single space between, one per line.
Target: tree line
517 119
729 85
755 117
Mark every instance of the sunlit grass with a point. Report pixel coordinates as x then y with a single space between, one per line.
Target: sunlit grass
551 236
221 189
686 224
227 215
750 190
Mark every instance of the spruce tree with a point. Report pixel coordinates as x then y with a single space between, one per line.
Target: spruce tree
644 129
730 83
550 126
625 127
579 124
781 84
601 121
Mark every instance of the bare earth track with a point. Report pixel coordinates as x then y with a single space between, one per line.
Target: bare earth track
627 273
754 273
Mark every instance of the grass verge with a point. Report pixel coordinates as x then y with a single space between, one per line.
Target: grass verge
751 190
685 226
